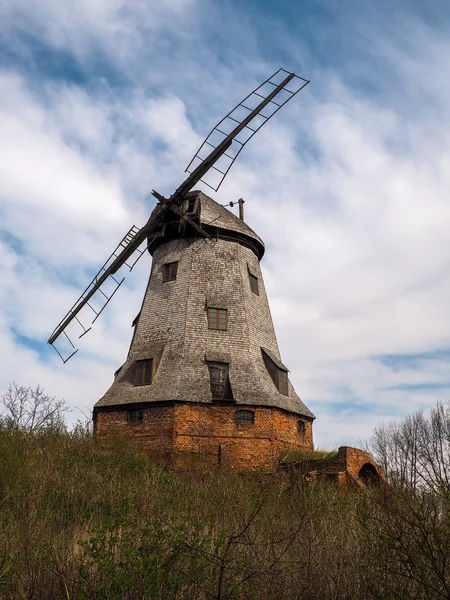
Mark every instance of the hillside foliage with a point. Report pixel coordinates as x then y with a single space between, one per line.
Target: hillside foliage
84 519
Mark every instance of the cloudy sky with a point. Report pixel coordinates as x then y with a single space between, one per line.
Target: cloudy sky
349 185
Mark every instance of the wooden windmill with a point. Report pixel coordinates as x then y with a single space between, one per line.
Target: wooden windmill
203 374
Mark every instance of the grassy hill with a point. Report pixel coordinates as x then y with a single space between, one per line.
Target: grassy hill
80 519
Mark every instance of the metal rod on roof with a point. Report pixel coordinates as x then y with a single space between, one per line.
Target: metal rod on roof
241 208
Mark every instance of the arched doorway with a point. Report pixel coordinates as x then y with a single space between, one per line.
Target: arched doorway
369 475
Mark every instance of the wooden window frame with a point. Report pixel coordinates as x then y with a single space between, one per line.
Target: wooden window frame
254 283
282 382
170 271
191 205
301 428
147 364
135 416
214 320
240 413
220 392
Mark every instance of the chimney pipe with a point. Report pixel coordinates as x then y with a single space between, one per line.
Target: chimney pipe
241 208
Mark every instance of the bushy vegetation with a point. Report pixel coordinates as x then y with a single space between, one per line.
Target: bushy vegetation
298 456
81 519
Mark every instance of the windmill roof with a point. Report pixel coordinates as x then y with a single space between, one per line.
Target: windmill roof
214 214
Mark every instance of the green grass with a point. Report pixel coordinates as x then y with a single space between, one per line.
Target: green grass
297 456
84 520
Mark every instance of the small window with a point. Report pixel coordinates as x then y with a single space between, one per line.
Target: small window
169 272
301 428
143 372
244 416
253 283
220 383
283 382
218 318
135 417
279 376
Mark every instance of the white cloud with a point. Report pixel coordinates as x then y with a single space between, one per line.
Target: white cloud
38 169
117 27
364 271
350 195
63 202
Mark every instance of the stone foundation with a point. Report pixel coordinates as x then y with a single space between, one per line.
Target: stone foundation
175 433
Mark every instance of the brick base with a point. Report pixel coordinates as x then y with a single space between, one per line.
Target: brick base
174 433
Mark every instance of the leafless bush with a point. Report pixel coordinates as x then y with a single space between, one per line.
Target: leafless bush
408 522
415 452
31 410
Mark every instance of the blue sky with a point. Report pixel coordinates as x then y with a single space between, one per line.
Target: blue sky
103 100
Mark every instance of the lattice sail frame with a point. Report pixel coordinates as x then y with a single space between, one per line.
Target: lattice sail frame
104 276
217 134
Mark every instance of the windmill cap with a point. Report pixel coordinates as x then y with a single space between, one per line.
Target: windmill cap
214 215
214 219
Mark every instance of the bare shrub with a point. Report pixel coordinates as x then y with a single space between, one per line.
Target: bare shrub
31 410
415 452
407 523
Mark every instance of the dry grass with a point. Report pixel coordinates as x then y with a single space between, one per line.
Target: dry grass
298 456
83 521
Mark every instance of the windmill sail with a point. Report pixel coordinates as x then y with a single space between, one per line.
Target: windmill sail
257 108
103 287
216 155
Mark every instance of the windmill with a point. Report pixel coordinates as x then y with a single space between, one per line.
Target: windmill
203 374
210 165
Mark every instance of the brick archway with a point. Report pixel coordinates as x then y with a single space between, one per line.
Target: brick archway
351 466
369 475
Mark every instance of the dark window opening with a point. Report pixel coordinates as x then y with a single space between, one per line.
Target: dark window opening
135 417
218 318
169 272
279 376
143 372
253 283
369 475
191 205
244 416
220 382
301 428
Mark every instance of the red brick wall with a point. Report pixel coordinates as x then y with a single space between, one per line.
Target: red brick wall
173 433
354 459
345 468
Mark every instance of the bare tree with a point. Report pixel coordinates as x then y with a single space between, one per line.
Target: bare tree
31 409
416 451
408 522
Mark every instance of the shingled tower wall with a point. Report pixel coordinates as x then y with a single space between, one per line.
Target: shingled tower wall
181 408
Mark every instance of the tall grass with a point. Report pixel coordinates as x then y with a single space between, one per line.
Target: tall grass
80 519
